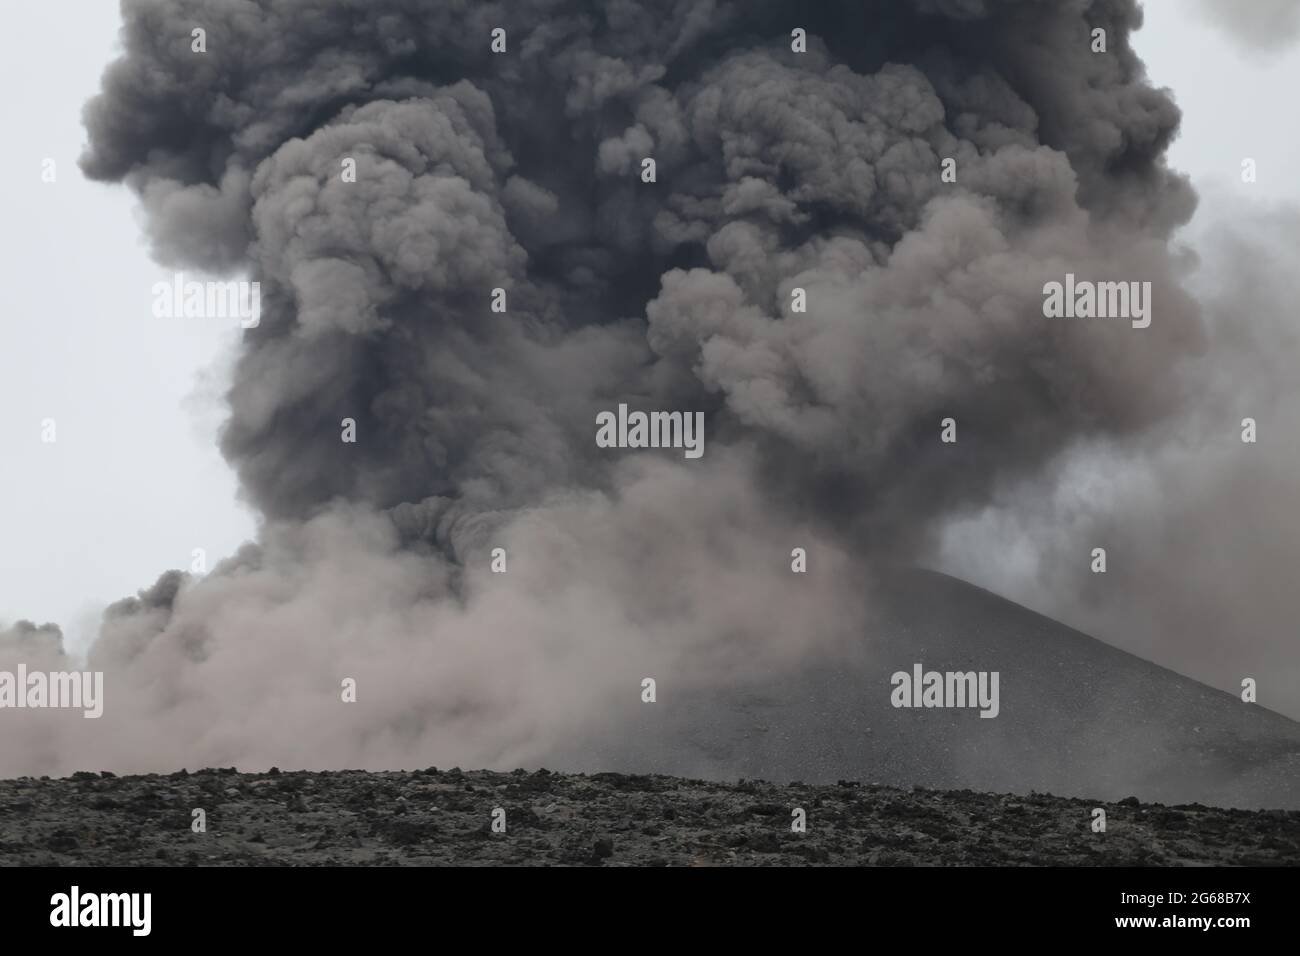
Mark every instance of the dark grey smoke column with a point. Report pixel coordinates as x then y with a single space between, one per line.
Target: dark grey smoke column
521 170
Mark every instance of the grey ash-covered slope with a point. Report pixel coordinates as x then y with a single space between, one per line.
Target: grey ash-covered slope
1077 716
442 817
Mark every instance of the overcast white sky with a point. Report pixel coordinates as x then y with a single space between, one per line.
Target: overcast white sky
134 482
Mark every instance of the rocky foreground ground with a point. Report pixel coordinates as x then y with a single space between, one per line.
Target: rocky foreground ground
430 817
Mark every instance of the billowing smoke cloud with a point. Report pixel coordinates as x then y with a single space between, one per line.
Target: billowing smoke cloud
1263 24
521 170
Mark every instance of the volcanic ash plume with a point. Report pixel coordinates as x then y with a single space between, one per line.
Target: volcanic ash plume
775 170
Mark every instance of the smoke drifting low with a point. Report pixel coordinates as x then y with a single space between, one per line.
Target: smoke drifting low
1201 527
1269 25
522 170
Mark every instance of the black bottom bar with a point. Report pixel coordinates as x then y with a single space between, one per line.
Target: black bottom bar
307 904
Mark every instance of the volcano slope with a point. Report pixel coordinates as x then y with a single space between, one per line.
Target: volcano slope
1076 717
878 784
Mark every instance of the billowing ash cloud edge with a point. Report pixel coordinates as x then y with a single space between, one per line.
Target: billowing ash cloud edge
1267 25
